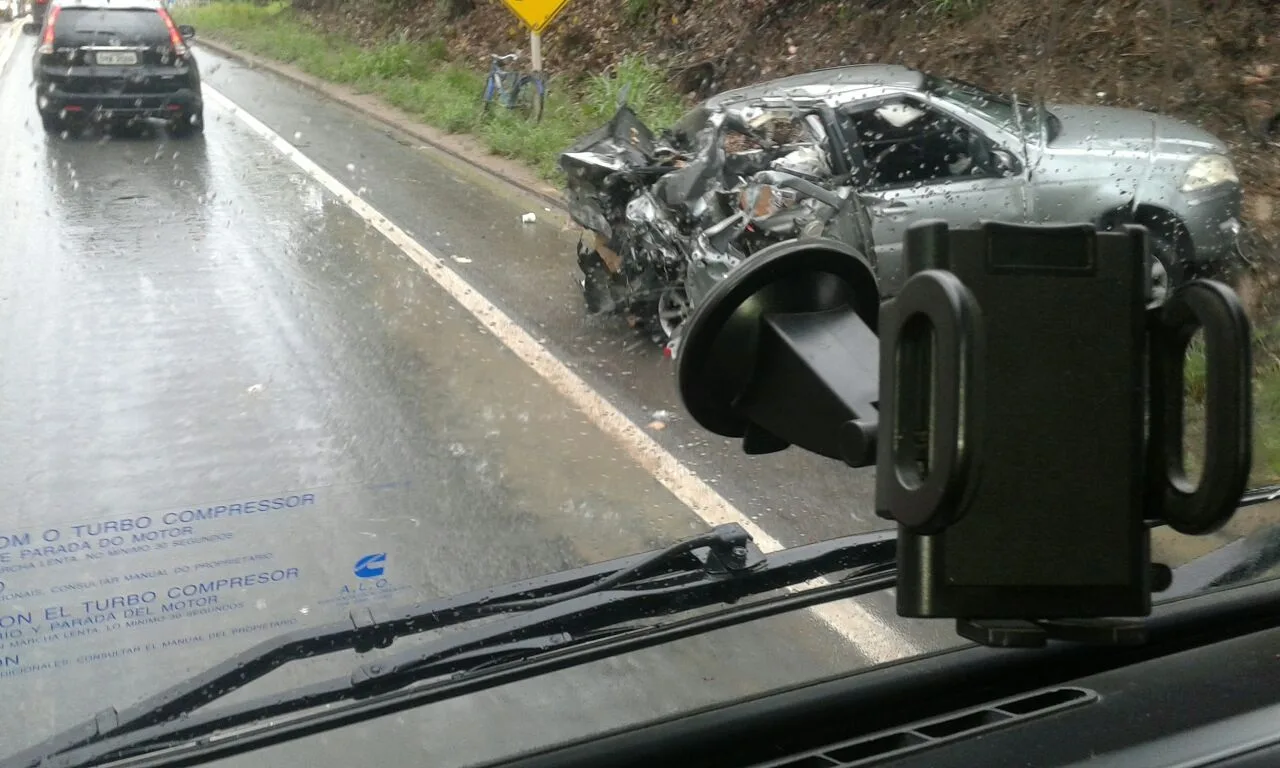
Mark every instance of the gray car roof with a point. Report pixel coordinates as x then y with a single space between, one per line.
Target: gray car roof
886 75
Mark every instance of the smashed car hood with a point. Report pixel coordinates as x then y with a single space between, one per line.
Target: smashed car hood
1112 130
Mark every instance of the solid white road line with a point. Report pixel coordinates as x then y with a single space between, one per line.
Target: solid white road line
850 620
8 40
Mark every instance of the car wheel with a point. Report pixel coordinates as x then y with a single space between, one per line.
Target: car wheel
672 310
1167 272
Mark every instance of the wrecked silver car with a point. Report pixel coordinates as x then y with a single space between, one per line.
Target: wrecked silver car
859 154
668 216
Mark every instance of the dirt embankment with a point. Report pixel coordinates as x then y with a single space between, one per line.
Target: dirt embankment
1213 62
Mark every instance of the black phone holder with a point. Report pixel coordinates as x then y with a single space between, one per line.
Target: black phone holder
1021 398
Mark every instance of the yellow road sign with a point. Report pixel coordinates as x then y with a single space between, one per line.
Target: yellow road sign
537 14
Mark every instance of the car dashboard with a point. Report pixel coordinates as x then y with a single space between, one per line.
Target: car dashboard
1203 691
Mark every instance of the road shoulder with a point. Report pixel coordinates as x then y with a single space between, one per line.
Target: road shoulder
459 147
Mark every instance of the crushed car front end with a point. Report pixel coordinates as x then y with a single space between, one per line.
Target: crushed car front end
668 216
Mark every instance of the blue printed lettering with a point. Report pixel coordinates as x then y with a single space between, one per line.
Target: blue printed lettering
73 586
103 656
146 575
22 594
135 549
232 561
119 601
31 668
233 582
365 586
203 539
176 532
83 622
220 511
90 530
55 550
183 605
14 540
8 620
248 628
182 641
9 661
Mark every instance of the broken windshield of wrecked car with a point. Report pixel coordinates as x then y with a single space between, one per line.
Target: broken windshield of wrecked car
997 108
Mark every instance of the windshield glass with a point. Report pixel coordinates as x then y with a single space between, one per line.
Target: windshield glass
86 26
313 314
998 109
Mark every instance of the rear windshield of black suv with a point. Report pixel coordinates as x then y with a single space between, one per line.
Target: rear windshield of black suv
89 26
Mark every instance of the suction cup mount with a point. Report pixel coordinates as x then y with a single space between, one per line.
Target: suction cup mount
795 321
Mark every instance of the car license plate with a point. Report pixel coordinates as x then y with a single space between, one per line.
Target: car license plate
116 58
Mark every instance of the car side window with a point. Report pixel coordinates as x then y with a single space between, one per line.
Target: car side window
907 142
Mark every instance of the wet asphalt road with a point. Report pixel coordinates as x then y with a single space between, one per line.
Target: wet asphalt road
197 334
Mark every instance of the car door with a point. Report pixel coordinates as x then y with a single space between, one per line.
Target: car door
991 188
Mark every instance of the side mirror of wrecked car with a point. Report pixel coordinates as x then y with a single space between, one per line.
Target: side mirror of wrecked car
187 31
1004 162
30 28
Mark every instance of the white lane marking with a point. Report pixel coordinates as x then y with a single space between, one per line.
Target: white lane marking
8 41
851 621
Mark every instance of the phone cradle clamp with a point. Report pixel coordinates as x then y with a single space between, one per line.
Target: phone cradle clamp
1004 396
1020 366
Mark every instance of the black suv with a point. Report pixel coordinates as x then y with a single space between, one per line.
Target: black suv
118 61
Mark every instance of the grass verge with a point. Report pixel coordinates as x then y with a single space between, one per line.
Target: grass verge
418 77
1266 425
1266 413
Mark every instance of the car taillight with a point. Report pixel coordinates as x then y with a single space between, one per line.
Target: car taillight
175 37
46 43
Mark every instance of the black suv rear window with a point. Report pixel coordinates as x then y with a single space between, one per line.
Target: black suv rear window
84 26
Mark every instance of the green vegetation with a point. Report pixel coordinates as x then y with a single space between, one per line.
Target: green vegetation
956 7
1266 424
638 9
418 77
1266 409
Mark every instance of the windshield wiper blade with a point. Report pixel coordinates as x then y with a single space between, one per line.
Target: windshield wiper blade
721 566
190 743
600 595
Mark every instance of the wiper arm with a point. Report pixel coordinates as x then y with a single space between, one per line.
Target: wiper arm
722 566
192 745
